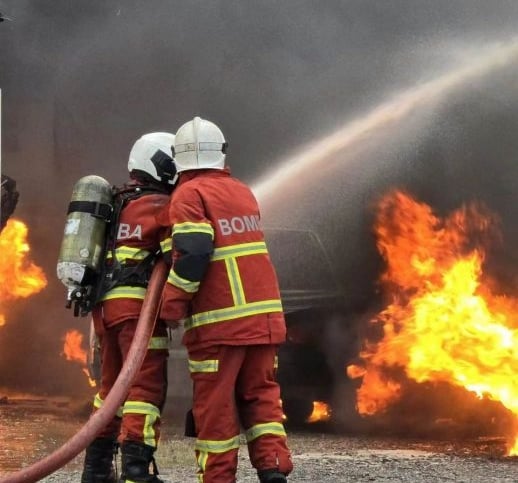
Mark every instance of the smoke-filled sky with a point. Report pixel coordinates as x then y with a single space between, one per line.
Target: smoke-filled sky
82 80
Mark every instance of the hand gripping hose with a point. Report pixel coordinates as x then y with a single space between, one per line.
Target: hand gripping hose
115 398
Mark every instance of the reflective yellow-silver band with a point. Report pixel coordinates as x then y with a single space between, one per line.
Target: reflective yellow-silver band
259 430
235 312
210 365
151 414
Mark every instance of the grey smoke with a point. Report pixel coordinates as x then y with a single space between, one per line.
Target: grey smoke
81 80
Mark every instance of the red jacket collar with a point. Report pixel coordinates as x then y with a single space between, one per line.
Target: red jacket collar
185 176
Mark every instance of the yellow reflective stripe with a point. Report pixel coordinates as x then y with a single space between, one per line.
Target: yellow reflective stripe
125 291
202 464
182 283
229 255
276 362
139 407
98 402
148 431
151 413
189 227
211 446
230 313
255 248
265 428
166 245
158 343
236 285
121 253
210 365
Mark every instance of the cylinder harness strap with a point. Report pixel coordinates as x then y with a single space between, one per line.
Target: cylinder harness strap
117 273
96 209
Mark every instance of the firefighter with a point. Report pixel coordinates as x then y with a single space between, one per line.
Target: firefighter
137 235
223 288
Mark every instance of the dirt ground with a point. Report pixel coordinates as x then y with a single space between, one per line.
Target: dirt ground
321 457
31 429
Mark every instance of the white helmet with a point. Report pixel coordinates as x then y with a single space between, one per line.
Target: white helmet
199 144
152 154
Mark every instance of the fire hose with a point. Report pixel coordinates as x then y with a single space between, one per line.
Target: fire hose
115 398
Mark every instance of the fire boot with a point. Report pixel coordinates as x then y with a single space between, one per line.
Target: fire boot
271 476
136 458
98 464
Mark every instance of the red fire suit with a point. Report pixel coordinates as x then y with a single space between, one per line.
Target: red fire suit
139 233
223 283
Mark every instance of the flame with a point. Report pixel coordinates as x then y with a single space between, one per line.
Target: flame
19 278
72 348
73 351
442 322
321 412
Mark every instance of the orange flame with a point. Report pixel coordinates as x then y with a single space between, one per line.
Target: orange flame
321 412
19 278
72 347
443 323
73 351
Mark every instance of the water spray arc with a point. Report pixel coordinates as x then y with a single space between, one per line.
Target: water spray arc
389 112
113 401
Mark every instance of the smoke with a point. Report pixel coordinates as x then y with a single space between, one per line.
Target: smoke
82 80
425 139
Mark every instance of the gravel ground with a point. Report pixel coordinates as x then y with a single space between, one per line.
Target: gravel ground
320 457
31 429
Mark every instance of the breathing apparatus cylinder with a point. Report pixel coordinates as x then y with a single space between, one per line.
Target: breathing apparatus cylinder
81 255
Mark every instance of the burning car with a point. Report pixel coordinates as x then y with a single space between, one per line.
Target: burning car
312 299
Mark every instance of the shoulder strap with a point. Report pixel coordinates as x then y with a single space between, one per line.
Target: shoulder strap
118 273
